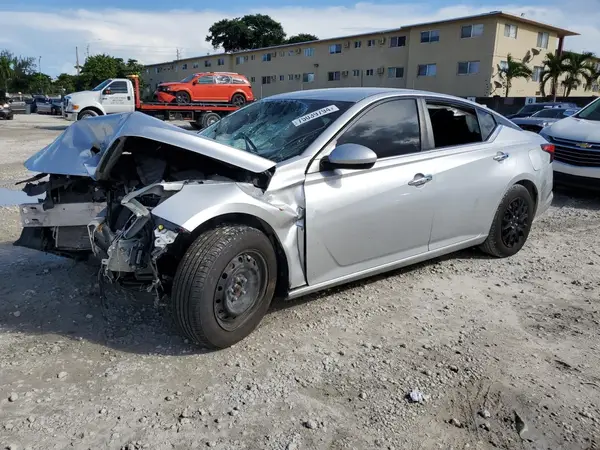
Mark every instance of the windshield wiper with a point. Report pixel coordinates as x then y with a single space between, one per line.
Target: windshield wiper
250 147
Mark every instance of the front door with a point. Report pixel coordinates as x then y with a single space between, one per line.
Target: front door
116 97
205 89
357 220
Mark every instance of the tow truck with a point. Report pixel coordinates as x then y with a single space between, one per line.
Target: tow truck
119 95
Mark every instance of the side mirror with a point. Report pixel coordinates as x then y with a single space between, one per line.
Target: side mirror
106 91
349 156
195 82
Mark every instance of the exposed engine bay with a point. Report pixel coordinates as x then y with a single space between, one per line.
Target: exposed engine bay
111 217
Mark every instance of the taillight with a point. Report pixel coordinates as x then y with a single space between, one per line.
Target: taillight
549 148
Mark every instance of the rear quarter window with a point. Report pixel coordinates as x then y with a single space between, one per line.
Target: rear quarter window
239 81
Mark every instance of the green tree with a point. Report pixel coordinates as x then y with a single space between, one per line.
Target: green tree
98 68
6 68
579 70
512 70
248 32
554 68
302 37
66 82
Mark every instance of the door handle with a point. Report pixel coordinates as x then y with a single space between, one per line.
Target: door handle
500 156
420 180
128 97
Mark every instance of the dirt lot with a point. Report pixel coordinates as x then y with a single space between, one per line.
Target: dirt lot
505 352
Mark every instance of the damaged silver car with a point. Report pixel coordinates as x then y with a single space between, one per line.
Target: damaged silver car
289 195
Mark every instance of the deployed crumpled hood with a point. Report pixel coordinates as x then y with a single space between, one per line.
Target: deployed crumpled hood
575 129
71 153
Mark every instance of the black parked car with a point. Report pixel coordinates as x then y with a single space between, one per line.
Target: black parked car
6 111
529 110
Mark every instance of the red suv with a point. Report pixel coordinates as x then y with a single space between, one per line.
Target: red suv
226 87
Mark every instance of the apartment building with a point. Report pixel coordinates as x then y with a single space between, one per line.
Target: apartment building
458 56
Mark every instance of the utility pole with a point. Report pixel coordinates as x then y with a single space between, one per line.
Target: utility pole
178 54
40 74
77 60
87 52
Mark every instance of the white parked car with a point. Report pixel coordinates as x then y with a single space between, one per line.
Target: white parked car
577 147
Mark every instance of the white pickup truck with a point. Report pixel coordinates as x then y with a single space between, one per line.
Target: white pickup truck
115 95
122 95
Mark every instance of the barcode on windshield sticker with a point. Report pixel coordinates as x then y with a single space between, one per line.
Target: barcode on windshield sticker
313 115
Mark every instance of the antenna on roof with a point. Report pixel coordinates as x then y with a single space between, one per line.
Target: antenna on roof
522 14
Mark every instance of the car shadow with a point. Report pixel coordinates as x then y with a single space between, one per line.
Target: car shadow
579 198
52 127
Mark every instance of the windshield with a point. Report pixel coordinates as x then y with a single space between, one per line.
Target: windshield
101 85
188 78
554 112
276 129
590 112
530 109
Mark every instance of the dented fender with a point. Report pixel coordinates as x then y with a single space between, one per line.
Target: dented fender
197 203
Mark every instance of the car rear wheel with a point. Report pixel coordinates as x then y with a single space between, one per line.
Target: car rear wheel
224 285
87 114
207 119
512 223
238 100
182 97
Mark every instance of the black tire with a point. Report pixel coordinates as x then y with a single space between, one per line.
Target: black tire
208 118
238 100
512 223
10 117
88 113
182 97
203 293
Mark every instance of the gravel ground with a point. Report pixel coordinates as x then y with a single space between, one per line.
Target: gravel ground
499 353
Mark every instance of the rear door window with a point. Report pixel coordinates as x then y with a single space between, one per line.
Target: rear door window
453 124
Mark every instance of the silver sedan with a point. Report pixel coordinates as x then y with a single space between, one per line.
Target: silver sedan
287 196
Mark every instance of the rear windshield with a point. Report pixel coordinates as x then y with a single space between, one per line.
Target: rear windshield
530 109
550 112
276 129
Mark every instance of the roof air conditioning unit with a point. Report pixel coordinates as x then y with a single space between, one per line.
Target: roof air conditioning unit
273 54
297 76
298 51
347 44
381 70
274 77
382 41
345 73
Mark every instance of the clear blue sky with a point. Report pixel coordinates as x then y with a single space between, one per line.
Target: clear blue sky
155 30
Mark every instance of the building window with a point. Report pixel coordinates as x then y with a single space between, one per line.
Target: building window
333 76
537 73
503 65
252 79
184 67
310 51
221 62
398 41
395 72
468 67
266 57
290 77
195 65
510 31
266 80
371 43
469 31
427 70
308 77
281 53
253 57
357 44
281 77
239 60
355 72
335 48
430 36
369 72
542 40
207 63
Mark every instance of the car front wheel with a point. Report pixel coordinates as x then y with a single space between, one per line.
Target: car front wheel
512 223
182 97
224 285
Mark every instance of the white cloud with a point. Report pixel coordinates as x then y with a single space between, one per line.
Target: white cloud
155 36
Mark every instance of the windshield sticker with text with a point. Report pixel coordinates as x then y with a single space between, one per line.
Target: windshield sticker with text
315 114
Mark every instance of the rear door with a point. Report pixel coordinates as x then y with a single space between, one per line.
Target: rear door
472 170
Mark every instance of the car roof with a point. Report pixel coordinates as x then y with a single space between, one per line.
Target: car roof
355 94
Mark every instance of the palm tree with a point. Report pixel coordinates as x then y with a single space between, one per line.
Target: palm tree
554 67
579 69
511 70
